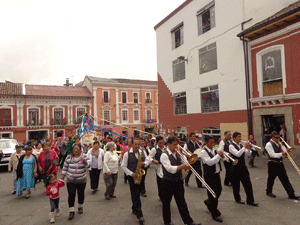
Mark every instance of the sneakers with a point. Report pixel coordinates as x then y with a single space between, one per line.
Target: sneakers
71 215
52 217
57 212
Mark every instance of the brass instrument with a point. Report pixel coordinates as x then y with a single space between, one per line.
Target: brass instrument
229 158
192 159
139 171
290 149
253 147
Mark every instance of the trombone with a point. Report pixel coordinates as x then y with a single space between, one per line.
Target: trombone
290 149
253 147
192 158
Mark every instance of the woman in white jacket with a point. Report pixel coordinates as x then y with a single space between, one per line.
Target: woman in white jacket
95 155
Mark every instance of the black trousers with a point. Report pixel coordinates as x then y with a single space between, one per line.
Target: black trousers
241 175
94 177
143 189
214 181
197 167
159 183
135 190
277 169
125 178
72 188
228 176
170 188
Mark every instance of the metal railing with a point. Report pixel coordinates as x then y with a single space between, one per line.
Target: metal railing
6 123
34 122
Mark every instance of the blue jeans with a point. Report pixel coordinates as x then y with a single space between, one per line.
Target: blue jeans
54 204
15 180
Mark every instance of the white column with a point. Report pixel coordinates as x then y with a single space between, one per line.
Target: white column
21 115
95 104
18 114
45 114
117 107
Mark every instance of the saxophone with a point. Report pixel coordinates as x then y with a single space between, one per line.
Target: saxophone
139 171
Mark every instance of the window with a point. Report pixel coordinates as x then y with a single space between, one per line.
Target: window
5 117
58 116
180 103
124 97
272 73
105 97
124 115
206 18
136 115
80 111
33 117
208 58
178 70
210 99
177 36
135 98
106 116
148 98
148 114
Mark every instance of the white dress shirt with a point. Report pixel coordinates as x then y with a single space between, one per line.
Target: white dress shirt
165 161
125 162
211 161
239 153
158 167
196 144
271 151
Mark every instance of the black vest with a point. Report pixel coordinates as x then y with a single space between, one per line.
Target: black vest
277 149
226 146
191 146
158 154
132 160
174 162
241 159
210 170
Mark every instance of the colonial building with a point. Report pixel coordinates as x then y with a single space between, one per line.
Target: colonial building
201 65
38 111
131 106
274 53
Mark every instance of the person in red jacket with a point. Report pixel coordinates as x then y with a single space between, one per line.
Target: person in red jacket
47 162
53 191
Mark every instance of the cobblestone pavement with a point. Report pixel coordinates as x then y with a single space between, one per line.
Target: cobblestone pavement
97 210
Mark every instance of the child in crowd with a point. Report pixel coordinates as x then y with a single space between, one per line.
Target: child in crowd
53 191
13 163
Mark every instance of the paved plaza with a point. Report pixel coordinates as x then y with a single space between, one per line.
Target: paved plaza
35 210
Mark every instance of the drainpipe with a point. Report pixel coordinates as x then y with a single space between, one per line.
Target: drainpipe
247 78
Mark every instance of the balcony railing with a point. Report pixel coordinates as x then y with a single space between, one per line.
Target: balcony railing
58 122
5 122
34 122
106 100
135 100
149 121
148 100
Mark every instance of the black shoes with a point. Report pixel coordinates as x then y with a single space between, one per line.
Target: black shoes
14 192
240 202
113 196
169 223
80 210
294 197
271 195
193 223
187 184
144 195
142 221
71 215
253 204
218 219
229 185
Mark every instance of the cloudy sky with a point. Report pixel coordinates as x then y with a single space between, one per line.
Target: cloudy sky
45 42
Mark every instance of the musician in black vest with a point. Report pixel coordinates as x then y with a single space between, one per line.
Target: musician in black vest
191 146
276 153
129 165
154 156
212 167
224 146
172 183
142 147
240 173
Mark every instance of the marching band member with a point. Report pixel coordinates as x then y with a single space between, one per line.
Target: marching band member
129 165
191 146
240 171
172 183
224 146
154 156
211 168
142 148
276 153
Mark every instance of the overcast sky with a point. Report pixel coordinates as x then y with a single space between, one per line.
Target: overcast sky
45 42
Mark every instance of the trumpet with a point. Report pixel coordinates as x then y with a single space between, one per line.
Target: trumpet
228 158
253 147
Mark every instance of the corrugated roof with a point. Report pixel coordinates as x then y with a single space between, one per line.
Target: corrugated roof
121 81
293 8
57 91
9 88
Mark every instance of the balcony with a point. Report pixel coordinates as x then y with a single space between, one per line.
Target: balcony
34 122
106 100
149 121
148 100
5 123
135 100
58 122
